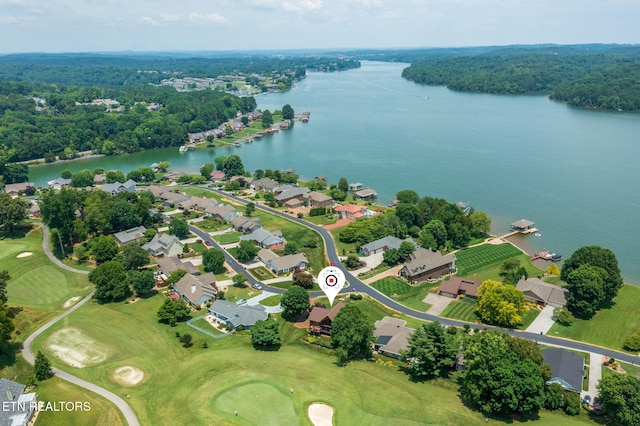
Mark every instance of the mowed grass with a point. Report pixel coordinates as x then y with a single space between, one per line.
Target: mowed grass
487 254
609 326
271 300
206 386
463 311
399 290
231 237
343 248
391 286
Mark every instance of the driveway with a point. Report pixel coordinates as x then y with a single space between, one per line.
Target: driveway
543 321
438 303
595 374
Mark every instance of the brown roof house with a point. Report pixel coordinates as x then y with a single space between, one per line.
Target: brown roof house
283 264
392 337
221 212
18 189
456 286
425 264
321 319
537 291
318 199
217 176
272 240
197 290
169 264
245 224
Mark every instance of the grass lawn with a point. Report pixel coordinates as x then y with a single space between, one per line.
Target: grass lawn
492 271
206 386
261 273
321 220
475 258
343 248
211 225
233 293
231 237
271 300
527 318
200 192
286 284
632 370
463 311
299 235
85 265
410 296
609 326
375 271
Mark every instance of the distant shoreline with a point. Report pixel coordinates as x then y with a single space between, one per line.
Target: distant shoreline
38 162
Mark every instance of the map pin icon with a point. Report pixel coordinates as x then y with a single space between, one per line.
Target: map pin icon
331 280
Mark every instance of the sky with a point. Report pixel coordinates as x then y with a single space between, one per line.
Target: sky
218 25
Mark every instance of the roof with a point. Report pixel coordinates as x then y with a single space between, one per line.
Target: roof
245 315
289 261
392 334
264 183
522 223
170 264
293 192
156 190
457 284
12 413
267 255
366 192
542 291
423 260
161 241
222 211
389 242
264 237
129 235
172 197
350 208
17 187
566 367
318 197
243 222
59 182
217 174
129 186
194 288
319 314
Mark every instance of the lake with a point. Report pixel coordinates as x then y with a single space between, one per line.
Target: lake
571 171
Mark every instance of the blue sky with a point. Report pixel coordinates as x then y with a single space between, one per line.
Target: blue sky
153 25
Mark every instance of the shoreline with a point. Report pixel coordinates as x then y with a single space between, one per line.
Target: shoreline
39 162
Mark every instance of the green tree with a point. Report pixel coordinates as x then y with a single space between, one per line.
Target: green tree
246 251
352 262
249 209
586 290
429 355
351 334
111 281
132 256
186 340
265 334
500 304
206 170
290 248
436 231
343 184
163 166
66 174
174 277
563 316
213 261
82 179
239 279
632 342
267 118
13 213
173 311
511 271
408 196
233 166
287 112
179 228
620 398
405 249
303 279
391 257
42 367
600 257
294 302
554 397
103 248
572 403
480 224
142 282
113 176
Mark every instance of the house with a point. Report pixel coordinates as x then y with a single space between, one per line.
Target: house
237 315
351 211
355 186
34 209
58 183
392 337
194 203
169 264
537 291
117 187
217 176
18 408
318 199
456 286
18 189
245 224
272 240
425 264
382 245
170 198
567 368
366 194
294 203
157 191
291 193
100 179
243 180
130 235
522 225
221 212
321 319
282 264
264 184
197 290
164 245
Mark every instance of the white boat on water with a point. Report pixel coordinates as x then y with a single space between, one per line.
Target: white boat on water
183 148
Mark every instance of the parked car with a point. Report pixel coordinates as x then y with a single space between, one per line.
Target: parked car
257 286
241 302
586 400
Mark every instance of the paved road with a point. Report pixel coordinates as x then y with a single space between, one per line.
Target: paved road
360 286
126 410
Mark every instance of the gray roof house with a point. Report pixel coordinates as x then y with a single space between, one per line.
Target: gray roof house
245 224
392 337
169 264
264 184
117 187
567 368
130 235
169 198
18 408
234 315
425 264
59 183
266 239
221 212
282 264
382 245
197 290
292 192
537 291
164 245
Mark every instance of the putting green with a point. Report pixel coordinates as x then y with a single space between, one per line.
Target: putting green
256 403
43 282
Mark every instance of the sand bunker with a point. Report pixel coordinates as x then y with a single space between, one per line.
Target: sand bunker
75 348
127 375
24 254
69 303
320 414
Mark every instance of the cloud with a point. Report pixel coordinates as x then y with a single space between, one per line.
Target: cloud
168 18
213 17
302 5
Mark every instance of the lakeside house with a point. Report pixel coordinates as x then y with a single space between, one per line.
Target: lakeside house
18 408
234 315
58 183
567 368
456 286
537 291
130 235
383 244
164 245
290 192
217 176
283 264
264 184
353 211
18 189
392 337
425 264
318 199
321 319
366 194
117 187
196 290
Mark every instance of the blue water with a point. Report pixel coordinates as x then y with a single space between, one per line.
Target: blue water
571 171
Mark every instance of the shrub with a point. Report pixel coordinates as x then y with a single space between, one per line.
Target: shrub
300 215
317 211
563 316
240 328
632 342
355 296
573 404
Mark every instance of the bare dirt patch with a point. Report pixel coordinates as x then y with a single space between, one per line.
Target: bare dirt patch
69 303
75 348
127 375
24 254
320 414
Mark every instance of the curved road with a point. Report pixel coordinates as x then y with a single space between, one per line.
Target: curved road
360 286
122 405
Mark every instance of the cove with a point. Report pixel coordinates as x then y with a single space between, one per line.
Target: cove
571 171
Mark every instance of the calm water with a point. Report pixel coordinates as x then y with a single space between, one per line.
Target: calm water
571 171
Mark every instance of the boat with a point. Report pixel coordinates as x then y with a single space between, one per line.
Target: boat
183 148
537 234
